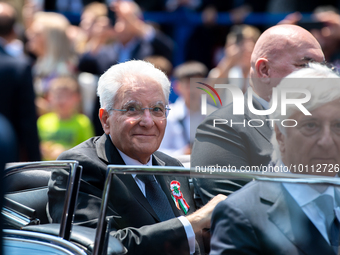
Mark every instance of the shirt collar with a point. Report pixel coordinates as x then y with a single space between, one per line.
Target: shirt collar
263 102
130 161
304 193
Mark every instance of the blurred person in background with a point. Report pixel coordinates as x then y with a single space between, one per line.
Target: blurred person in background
329 34
235 62
131 38
93 30
17 94
161 63
48 41
64 127
325 26
7 154
185 115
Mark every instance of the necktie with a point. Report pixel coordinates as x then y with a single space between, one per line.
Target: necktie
157 198
326 205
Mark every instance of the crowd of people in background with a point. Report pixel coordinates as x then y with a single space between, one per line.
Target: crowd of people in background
44 43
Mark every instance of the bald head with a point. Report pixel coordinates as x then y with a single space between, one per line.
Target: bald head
7 19
279 51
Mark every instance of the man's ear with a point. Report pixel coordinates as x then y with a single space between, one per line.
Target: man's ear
280 138
104 120
262 68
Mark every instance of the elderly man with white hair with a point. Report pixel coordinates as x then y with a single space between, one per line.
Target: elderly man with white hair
289 218
149 218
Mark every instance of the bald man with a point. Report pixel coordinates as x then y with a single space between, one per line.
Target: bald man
279 51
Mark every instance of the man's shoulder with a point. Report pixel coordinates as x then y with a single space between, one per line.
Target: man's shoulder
251 189
253 192
86 148
222 112
11 62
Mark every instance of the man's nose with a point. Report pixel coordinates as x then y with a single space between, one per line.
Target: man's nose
147 118
326 139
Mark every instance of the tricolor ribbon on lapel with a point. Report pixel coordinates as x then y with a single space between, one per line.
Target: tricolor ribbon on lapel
177 196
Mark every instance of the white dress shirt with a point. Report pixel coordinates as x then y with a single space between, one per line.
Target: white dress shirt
187 226
305 195
264 103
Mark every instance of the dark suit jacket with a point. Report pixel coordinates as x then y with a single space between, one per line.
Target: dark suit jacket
17 104
224 145
139 228
263 218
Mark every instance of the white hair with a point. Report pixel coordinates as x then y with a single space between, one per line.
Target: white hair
128 72
323 84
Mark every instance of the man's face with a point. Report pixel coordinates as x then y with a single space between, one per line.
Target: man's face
136 137
315 141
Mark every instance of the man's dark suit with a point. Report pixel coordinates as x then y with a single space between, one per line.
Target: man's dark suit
263 218
224 145
127 202
17 104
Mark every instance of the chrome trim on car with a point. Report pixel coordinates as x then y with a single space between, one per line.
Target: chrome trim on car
71 190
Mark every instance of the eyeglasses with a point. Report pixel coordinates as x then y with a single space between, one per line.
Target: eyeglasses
136 111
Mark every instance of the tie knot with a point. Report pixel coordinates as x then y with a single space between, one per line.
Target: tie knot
146 178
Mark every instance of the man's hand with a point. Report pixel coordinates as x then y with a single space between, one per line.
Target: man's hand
233 54
332 24
202 218
128 14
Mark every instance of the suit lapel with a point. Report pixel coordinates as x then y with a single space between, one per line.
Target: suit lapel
137 193
287 215
108 153
264 130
